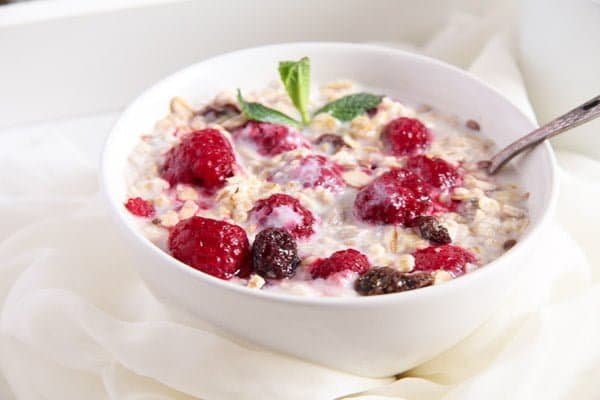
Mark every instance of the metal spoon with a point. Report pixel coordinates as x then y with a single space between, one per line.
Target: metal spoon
580 115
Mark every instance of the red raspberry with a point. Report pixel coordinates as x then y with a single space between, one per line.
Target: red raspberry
343 260
312 171
215 247
271 139
283 211
447 257
396 197
140 207
204 158
435 171
405 136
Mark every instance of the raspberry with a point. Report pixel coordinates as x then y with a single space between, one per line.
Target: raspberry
215 247
435 171
406 136
311 171
204 158
283 211
271 139
447 257
343 260
387 280
396 197
431 229
410 180
274 254
140 207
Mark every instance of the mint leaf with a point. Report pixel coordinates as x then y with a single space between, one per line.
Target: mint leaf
295 76
258 112
351 106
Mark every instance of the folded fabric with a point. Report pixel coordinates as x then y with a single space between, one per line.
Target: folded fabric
77 322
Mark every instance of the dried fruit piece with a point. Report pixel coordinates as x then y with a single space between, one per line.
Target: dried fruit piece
216 247
271 139
140 207
385 280
213 113
406 136
283 211
275 254
396 197
472 124
334 141
431 229
447 257
343 260
509 244
203 158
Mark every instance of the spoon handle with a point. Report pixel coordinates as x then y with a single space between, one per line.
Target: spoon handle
584 113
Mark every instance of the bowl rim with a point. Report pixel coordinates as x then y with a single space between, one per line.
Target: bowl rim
118 211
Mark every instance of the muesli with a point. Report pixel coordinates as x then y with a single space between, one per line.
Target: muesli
363 194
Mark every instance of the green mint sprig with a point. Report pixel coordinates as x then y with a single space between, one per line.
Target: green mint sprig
258 112
295 76
349 107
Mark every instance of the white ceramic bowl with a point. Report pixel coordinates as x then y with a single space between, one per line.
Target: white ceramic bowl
372 336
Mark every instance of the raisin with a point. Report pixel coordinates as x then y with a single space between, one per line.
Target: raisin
334 141
385 280
509 244
472 124
212 113
431 229
275 254
371 112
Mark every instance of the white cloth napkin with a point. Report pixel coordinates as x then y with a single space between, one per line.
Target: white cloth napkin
78 323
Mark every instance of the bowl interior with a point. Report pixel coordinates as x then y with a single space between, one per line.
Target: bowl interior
395 73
